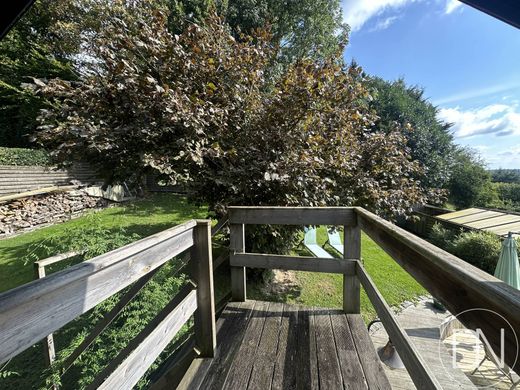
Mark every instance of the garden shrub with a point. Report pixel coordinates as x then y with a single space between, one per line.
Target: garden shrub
478 248
442 237
21 156
481 249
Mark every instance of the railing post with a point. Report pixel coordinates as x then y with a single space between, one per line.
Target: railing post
351 250
202 266
238 274
49 353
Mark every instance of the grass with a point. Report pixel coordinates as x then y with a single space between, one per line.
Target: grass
142 217
325 290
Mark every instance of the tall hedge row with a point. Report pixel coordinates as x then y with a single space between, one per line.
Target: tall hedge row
21 156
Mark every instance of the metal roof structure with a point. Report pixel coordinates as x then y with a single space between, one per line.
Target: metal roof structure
493 221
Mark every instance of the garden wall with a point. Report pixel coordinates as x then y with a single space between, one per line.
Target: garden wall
17 179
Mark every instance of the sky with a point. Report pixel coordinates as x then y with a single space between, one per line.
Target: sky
467 62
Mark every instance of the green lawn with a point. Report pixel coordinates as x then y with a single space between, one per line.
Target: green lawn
325 290
142 217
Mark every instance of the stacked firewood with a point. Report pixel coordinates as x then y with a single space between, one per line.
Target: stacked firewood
30 212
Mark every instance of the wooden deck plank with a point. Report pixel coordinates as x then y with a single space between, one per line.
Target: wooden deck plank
285 370
264 364
230 328
351 369
328 364
307 377
229 345
242 364
374 373
263 345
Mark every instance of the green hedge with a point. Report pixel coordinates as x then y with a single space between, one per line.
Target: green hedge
479 248
19 156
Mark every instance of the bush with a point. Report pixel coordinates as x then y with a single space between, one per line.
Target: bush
508 191
20 156
480 249
441 237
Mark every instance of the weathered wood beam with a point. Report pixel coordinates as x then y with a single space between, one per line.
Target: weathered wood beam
341 216
351 250
56 259
32 311
133 361
295 263
201 257
457 284
421 375
108 318
238 273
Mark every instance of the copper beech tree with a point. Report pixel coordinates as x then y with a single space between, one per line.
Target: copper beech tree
198 109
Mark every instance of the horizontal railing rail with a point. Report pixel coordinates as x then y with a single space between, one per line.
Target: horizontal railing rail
419 371
33 311
458 285
293 263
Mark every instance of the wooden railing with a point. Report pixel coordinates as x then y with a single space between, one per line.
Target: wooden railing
33 311
457 284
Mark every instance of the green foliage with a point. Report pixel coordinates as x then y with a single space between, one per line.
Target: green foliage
441 237
300 29
35 48
20 156
508 191
136 315
505 175
478 248
470 183
429 139
198 109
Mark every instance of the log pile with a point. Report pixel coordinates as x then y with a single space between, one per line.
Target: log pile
28 213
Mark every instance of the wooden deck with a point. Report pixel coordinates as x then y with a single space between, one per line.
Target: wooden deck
265 345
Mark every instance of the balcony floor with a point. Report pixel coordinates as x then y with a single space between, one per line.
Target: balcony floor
265 345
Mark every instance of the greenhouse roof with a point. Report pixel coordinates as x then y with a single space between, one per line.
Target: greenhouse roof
498 222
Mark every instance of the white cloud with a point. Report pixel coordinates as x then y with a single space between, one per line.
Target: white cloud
357 12
498 119
477 93
384 23
452 5
513 151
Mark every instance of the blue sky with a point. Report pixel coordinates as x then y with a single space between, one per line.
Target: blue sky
468 63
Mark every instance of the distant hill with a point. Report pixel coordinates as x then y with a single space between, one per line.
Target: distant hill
505 175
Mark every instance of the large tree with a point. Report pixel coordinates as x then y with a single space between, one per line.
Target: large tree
301 29
428 138
197 107
470 182
47 42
